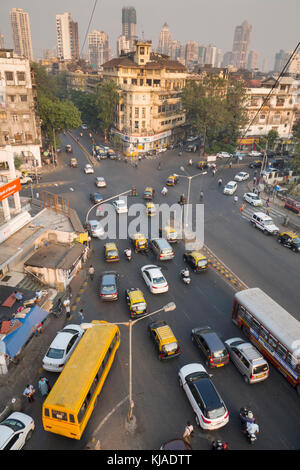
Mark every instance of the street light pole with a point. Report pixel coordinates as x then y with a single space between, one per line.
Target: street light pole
102 202
189 177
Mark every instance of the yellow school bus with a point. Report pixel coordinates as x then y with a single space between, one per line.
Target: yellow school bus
69 405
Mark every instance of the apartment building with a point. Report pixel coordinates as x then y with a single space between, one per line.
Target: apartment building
21 32
19 123
98 48
67 37
150 113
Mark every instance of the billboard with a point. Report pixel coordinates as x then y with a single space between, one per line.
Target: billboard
9 189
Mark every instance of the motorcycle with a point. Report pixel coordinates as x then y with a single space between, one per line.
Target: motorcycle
249 426
164 191
57 309
185 276
219 445
128 254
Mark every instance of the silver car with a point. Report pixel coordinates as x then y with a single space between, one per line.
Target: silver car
248 360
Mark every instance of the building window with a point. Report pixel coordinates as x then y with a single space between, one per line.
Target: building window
136 112
141 82
15 117
9 76
3 116
125 81
21 76
142 50
143 112
134 81
12 98
23 98
136 124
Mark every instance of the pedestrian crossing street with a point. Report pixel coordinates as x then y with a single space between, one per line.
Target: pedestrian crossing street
277 215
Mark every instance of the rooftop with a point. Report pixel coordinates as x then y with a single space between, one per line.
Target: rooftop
56 256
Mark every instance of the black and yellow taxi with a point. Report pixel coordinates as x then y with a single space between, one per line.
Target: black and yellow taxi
140 243
290 240
150 209
202 165
148 193
73 163
172 180
111 252
136 302
196 260
164 339
169 233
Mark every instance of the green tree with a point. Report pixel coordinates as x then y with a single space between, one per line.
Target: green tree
86 103
107 100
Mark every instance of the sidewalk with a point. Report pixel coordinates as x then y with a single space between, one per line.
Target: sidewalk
27 367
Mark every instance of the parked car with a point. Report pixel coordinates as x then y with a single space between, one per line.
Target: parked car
230 188
96 198
62 347
15 431
95 228
109 285
120 205
165 342
250 363
292 205
252 199
88 169
154 279
255 164
223 155
211 346
209 408
255 153
290 240
242 176
264 222
100 182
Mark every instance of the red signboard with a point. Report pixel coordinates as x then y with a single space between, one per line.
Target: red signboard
10 188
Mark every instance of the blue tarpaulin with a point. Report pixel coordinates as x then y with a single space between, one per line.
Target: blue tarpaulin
14 342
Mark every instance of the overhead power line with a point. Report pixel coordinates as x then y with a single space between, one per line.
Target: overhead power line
88 28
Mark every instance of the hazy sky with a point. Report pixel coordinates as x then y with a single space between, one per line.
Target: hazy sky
275 23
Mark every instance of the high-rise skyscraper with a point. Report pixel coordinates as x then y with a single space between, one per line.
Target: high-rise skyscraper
164 40
67 37
210 55
98 47
20 25
252 60
123 45
241 42
1 41
129 25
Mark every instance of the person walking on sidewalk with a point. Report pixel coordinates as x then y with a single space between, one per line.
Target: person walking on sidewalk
44 386
67 305
29 392
91 272
81 315
188 431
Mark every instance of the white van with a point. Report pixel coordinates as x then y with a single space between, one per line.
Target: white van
264 222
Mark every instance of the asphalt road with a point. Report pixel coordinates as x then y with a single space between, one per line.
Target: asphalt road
161 408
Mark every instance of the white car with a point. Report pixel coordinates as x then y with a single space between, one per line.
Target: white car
96 229
88 169
84 126
209 408
154 279
15 431
252 199
100 182
254 153
191 138
120 206
230 188
241 176
62 347
224 155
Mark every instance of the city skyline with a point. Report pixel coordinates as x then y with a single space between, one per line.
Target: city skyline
198 22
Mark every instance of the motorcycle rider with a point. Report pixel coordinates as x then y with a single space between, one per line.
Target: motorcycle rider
220 181
246 418
128 253
185 272
164 191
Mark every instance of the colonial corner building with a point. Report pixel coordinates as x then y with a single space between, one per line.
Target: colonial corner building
150 113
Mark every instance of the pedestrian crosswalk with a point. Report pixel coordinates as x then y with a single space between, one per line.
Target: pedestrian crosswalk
276 214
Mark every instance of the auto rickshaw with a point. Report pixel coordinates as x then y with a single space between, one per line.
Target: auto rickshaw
73 163
150 209
149 193
196 260
169 233
136 302
140 243
202 165
172 180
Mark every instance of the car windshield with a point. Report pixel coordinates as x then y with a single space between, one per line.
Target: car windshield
121 203
229 186
158 280
14 424
201 262
254 196
296 241
170 347
54 353
108 288
112 253
139 306
268 222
